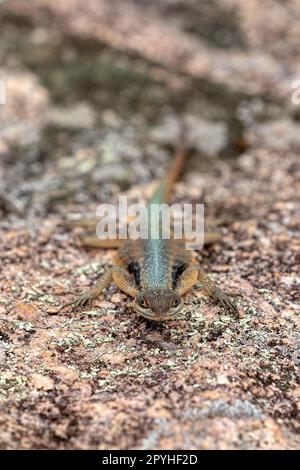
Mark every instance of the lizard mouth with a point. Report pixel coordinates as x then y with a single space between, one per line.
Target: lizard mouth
173 315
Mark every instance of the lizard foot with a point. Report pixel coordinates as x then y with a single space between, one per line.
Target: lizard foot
226 302
81 301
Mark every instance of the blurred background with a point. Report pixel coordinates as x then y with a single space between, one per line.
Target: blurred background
96 91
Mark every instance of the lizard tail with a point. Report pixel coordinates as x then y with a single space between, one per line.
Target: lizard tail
163 191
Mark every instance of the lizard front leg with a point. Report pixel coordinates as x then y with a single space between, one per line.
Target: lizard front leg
117 274
194 274
124 281
92 293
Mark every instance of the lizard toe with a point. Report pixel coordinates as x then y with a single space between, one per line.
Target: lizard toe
227 303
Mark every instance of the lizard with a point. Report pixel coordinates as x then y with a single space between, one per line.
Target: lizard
156 272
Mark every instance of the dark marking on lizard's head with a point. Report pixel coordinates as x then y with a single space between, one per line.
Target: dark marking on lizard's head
176 272
158 305
134 269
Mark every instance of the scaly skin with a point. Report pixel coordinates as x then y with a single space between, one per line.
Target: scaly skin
156 272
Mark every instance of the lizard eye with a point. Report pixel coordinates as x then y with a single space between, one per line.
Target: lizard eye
143 303
175 303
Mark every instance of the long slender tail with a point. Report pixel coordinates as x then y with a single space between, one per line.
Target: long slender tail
163 191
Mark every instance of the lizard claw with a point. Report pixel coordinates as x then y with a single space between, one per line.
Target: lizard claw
81 301
226 302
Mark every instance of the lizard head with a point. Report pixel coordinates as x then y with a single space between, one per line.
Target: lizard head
158 305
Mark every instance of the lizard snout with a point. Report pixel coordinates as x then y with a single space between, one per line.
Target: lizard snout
158 305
